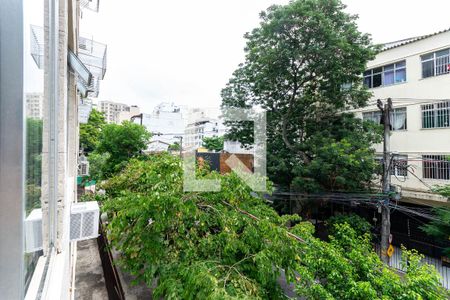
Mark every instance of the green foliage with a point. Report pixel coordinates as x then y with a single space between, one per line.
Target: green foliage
121 143
421 281
33 163
213 143
97 165
440 227
443 190
34 151
303 66
205 245
175 147
90 132
357 223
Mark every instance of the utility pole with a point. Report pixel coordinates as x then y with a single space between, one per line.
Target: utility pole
140 116
181 144
385 211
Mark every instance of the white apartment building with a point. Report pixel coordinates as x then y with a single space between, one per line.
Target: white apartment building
34 105
202 128
166 124
415 74
126 115
112 109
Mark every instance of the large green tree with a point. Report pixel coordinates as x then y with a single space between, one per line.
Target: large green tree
213 143
121 143
231 245
303 65
90 132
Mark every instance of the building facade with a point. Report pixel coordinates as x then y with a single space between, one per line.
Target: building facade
415 74
39 159
165 123
202 128
112 110
126 115
34 105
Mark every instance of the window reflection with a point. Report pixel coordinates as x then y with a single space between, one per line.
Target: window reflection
34 111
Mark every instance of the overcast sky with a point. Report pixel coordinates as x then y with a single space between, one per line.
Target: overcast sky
185 51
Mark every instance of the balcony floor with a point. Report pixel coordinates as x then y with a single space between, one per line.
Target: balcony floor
89 279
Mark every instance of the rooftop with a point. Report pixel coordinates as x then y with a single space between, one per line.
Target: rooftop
395 44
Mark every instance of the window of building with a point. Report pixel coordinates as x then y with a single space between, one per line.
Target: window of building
436 167
400 165
386 75
436 63
436 115
374 116
398 118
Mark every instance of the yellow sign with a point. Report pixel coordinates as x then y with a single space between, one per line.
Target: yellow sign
390 250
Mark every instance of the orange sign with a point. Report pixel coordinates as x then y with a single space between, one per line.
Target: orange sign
390 250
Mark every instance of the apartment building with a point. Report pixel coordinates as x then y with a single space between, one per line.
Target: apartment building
40 54
202 128
34 105
126 115
166 124
415 74
112 109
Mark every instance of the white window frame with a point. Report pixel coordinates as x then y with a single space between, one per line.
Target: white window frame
399 166
438 69
394 114
435 111
383 71
436 167
12 151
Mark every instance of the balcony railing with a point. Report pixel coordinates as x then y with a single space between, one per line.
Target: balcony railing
89 63
93 56
37 45
92 5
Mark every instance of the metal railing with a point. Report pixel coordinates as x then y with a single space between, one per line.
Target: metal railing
37 45
92 5
93 55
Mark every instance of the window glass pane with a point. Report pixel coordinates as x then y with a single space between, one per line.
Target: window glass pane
400 166
368 73
400 75
442 64
428 56
399 119
442 53
436 167
389 77
374 116
443 114
428 116
428 69
376 80
389 67
400 64
34 113
377 70
368 81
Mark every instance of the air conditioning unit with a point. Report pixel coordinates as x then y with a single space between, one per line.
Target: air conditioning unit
84 219
83 166
33 231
